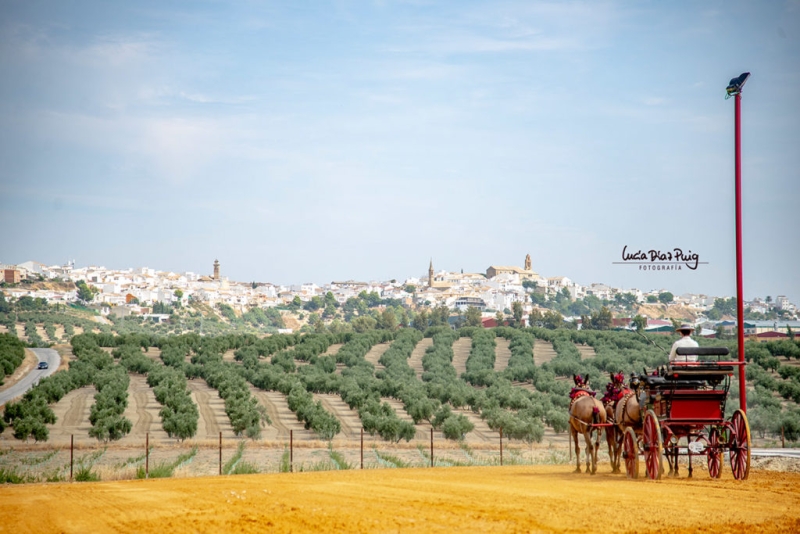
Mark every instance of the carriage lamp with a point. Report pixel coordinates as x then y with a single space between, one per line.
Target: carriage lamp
736 84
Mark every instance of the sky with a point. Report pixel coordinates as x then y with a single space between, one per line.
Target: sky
319 141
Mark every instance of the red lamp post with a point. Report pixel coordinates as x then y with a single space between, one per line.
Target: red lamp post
734 89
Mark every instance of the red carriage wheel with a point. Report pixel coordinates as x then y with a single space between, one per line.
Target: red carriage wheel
714 454
653 448
630 450
739 445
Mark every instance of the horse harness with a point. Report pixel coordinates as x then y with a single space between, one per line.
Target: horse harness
574 398
577 395
624 400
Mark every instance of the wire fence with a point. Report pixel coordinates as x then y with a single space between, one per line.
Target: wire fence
91 460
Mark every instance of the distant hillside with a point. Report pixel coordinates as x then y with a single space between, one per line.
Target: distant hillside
661 311
51 286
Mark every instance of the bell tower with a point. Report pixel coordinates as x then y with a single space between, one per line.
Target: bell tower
528 262
216 269
430 274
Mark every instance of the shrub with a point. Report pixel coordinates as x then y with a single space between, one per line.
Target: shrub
12 352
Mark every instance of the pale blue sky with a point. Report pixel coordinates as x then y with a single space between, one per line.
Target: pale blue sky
322 141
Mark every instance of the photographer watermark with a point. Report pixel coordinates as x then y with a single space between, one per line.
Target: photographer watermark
656 260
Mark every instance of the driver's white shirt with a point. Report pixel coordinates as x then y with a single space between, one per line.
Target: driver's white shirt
685 341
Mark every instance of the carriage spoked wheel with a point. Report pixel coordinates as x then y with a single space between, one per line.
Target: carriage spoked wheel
739 445
714 453
630 451
653 446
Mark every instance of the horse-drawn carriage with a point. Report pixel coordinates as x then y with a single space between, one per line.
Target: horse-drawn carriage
687 400
677 411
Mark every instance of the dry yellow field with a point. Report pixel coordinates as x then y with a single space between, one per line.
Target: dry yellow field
470 499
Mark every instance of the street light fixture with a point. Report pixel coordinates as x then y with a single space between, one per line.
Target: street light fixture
734 89
736 84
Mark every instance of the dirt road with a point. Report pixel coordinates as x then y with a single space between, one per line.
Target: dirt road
473 499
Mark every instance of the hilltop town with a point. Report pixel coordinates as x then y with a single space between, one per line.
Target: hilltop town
501 293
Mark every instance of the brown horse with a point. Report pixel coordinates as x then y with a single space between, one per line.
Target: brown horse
584 412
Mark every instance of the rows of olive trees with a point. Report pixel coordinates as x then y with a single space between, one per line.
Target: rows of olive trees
361 390
32 413
399 380
480 364
12 352
110 401
443 385
179 414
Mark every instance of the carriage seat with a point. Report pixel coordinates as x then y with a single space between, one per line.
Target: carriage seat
670 382
652 380
703 370
702 351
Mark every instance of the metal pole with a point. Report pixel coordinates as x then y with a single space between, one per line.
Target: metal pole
739 283
291 451
147 455
71 454
431 446
501 445
220 453
362 448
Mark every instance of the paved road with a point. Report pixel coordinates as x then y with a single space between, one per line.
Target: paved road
786 453
45 355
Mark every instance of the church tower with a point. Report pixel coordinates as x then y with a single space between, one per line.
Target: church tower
528 262
216 269
430 274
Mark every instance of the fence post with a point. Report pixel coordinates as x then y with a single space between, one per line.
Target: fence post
783 440
431 446
147 455
501 446
291 451
71 454
362 448
220 453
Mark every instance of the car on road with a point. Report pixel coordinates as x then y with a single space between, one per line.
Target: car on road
43 365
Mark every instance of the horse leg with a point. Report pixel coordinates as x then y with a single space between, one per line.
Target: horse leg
596 449
617 448
574 435
670 461
610 440
587 436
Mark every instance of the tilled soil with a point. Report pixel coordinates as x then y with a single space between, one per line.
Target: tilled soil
213 418
543 352
461 348
502 354
415 360
375 354
469 499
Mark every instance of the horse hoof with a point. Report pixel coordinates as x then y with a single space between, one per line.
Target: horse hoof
578 470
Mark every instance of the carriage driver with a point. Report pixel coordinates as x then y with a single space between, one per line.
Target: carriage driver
685 341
